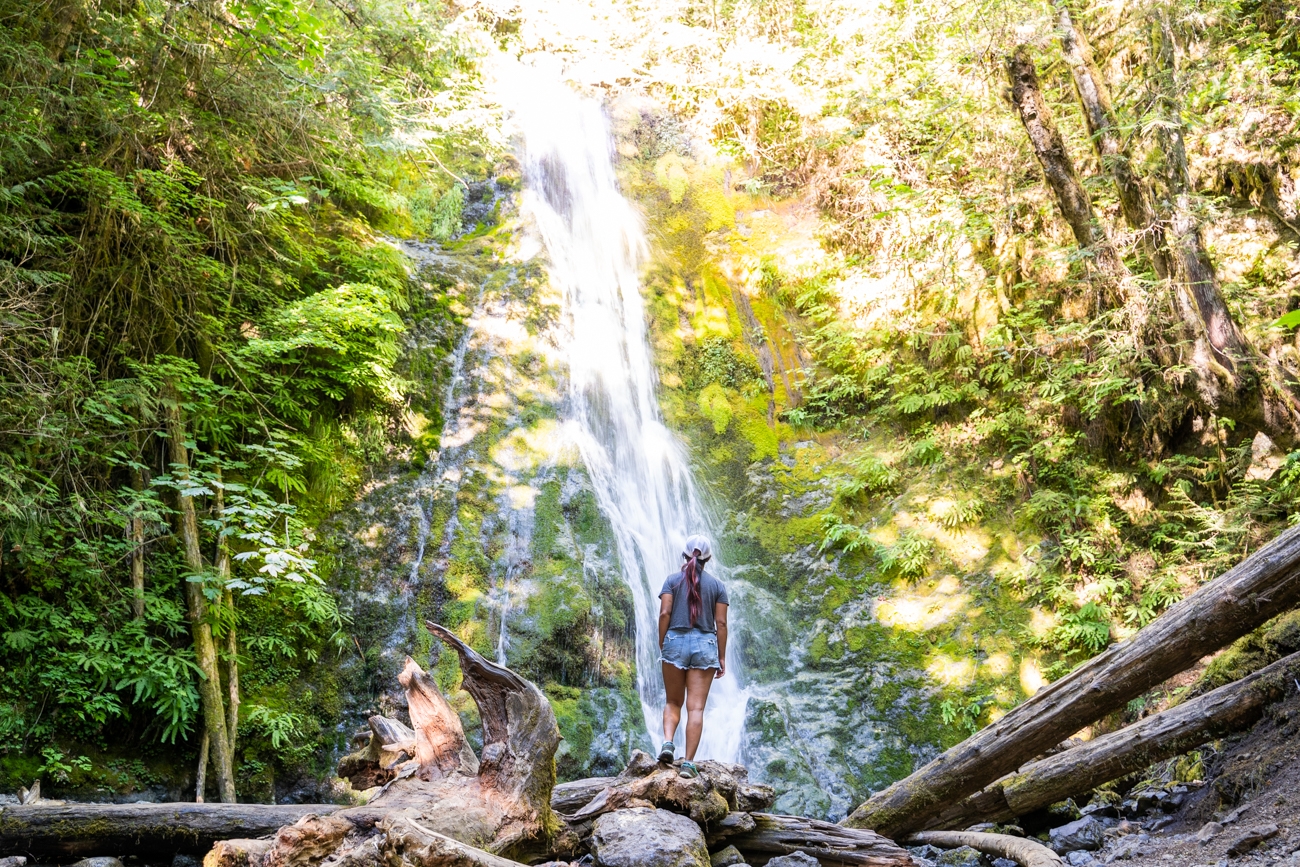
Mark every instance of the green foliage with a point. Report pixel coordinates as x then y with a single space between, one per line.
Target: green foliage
189 211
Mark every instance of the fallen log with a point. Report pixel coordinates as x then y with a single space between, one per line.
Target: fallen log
1025 852
1109 757
1248 595
143 829
571 797
832 845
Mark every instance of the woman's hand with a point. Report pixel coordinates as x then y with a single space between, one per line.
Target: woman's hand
722 669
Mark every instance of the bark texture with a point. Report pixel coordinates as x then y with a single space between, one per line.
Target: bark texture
1264 585
141 829
205 649
1058 167
1025 852
830 844
1169 733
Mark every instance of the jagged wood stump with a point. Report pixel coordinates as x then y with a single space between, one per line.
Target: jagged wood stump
441 803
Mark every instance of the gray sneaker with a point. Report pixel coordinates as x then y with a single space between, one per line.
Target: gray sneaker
667 753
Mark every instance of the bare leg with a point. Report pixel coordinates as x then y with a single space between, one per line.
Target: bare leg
698 682
675 687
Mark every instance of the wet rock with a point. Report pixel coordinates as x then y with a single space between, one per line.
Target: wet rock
963 856
1209 831
1088 833
185 861
98 862
794 859
14 860
1080 858
728 857
648 837
1251 838
1129 847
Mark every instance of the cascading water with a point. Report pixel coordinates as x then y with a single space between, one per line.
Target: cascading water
641 477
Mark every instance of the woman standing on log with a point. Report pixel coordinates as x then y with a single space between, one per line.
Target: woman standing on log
692 646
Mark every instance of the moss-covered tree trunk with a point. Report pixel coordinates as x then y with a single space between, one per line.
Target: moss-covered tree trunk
205 649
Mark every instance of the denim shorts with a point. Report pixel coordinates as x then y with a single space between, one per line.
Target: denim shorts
690 648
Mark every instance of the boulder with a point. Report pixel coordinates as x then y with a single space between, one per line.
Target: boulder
963 856
1251 838
794 859
1209 831
648 837
728 857
1088 833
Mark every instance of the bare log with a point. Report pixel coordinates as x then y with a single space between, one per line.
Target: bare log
832 845
143 829
1026 853
1251 593
1109 757
406 841
571 797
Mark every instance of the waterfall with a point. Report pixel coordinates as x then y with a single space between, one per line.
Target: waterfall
596 246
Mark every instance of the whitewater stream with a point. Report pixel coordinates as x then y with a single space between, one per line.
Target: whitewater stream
595 244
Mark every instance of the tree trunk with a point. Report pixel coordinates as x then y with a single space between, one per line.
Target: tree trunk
1235 379
205 650
231 661
141 829
1264 585
201 776
137 549
1111 756
1025 852
1094 97
1058 168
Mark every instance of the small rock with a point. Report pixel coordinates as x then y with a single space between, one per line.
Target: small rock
1087 833
963 856
1209 831
648 837
1251 838
1236 814
728 857
1080 858
1128 847
102 861
794 859
1004 862
928 852
1064 811
1292 861
14 861
185 861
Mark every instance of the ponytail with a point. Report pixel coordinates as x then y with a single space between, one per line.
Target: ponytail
691 573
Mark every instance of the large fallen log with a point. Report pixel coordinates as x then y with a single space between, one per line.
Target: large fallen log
832 845
1109 757
144 829
1025 852
1264 585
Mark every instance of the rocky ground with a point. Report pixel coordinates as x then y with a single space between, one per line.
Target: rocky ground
1245 812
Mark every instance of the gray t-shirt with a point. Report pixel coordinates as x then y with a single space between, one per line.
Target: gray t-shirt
712 591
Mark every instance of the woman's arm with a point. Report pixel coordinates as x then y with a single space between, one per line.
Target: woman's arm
665 616
720 618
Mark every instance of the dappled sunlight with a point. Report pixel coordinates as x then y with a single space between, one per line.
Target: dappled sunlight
927 608
1031 675
951 671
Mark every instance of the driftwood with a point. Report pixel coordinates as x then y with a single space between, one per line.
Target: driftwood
499 801
832 845
1109 757
1248 595
1025 852
144 829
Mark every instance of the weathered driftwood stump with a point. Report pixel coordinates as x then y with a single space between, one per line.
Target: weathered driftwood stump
440 803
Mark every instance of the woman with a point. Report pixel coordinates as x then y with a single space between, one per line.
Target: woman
692 647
